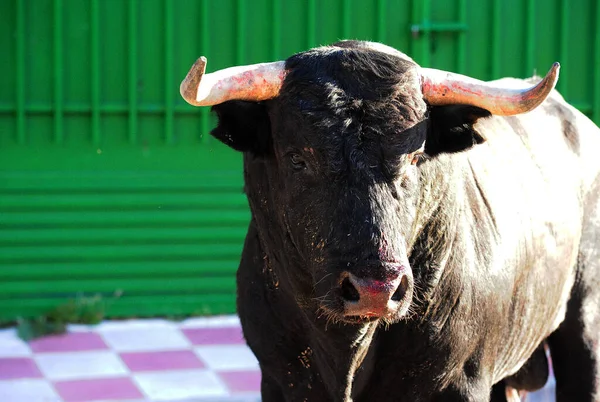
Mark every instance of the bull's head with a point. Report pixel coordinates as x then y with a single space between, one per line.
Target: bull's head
332 139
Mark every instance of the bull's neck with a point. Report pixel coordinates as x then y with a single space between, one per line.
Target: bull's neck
341 351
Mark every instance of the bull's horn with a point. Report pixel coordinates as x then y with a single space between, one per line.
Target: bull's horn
444 88
251 83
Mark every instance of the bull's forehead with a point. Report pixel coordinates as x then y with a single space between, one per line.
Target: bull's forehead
355 80
348 97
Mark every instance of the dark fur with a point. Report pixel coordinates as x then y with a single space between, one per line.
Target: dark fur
331 187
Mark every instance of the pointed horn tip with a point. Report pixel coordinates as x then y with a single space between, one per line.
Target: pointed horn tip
555 69
189 86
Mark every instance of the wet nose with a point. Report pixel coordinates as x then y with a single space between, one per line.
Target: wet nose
365 296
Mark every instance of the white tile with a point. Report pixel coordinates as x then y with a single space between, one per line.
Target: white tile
28 391
227 357
127 325
180 384
11 345
139 338
249 397
211 322
81 328
80 365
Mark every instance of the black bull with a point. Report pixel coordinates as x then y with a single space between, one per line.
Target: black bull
400 251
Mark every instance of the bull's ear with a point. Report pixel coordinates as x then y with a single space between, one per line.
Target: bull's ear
451 128
244 126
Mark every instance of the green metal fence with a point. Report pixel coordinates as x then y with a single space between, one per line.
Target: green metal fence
109 183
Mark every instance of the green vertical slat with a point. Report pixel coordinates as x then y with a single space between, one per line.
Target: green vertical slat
240 47
426 35
168 71
596 105
276 17
204 42
58 73
381 20
530 40
20 72
95 73
564 45
311 23
345 19
415 21
462 36
496 32
133 72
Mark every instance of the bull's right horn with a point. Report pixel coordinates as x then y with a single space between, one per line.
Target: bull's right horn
255 82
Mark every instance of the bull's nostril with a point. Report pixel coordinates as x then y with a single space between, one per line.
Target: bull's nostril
349 292
402 288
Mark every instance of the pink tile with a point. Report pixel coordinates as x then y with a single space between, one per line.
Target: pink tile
241 381
167 360
71 342
18 367
100 389
215 336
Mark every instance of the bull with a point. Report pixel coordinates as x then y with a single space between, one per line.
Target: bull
416 235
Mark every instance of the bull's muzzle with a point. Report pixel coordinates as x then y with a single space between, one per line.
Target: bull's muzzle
388 297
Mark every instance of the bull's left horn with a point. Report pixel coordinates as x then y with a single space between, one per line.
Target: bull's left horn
444 88
251 83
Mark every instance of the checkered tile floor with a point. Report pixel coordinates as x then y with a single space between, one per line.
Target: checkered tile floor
201 359
197 360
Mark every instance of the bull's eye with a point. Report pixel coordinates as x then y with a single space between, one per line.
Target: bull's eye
298 163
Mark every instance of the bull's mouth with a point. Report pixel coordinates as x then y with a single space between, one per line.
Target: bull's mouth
345 317
359 319
339 310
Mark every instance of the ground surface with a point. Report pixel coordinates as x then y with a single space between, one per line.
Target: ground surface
200 360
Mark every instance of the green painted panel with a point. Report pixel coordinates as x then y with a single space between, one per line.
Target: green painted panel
123 269
109 181
138 306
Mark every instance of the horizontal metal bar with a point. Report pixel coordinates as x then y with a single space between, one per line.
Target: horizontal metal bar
120 108
427 26
110 108
95 269
107 285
